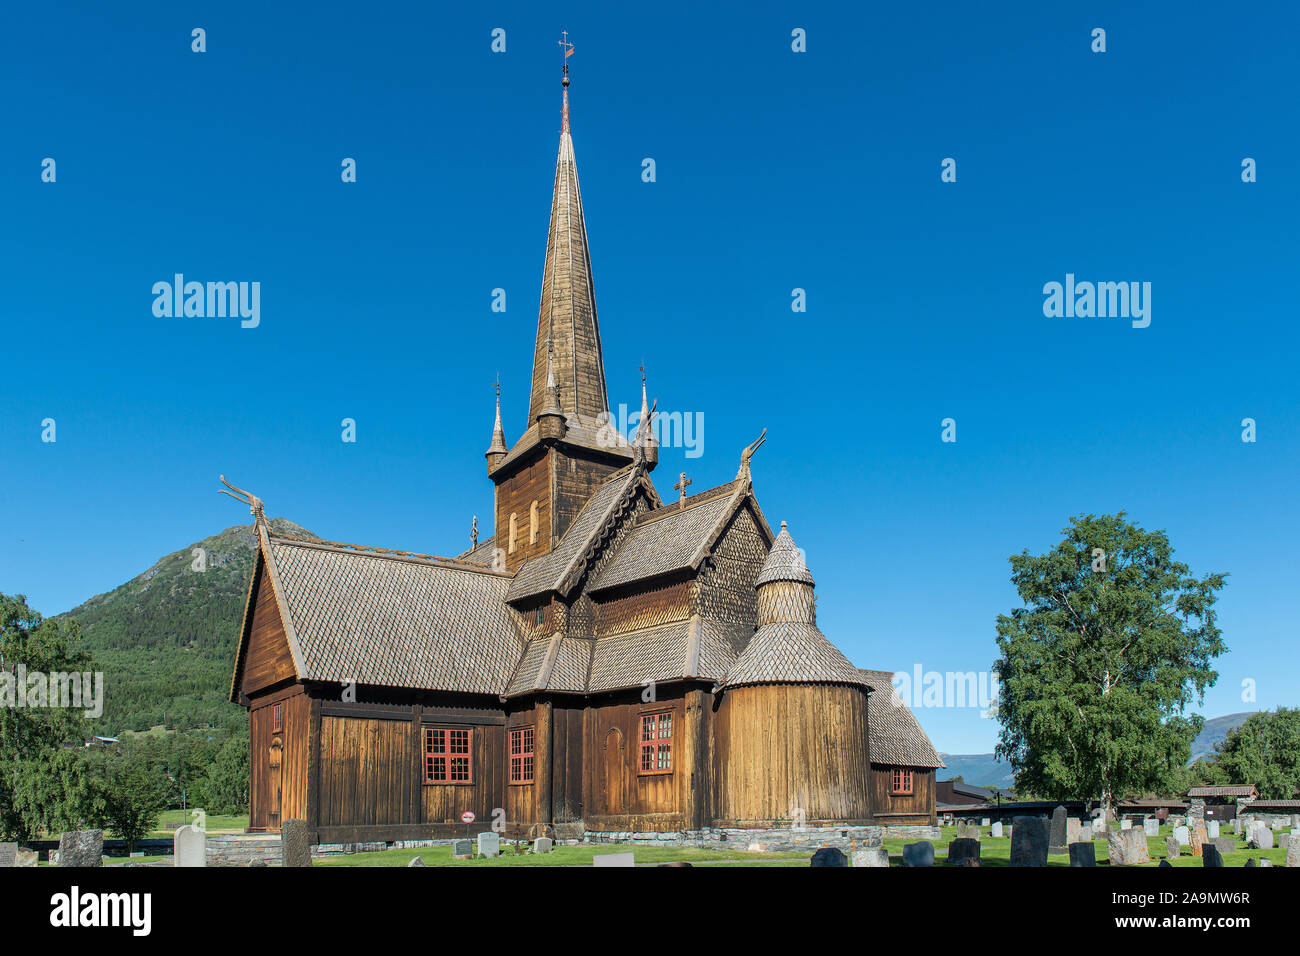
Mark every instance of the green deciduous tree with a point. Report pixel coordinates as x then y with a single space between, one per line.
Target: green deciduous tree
1115 639
41 781
1265 751
127 795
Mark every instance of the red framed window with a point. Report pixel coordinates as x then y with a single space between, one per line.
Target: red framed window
656 743
446 755
902 781
521 755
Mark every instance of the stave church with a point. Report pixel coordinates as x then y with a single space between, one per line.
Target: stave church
606 664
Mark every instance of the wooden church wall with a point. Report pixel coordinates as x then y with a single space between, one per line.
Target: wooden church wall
575 481
277 758
516 495
784 748
902 809
267 659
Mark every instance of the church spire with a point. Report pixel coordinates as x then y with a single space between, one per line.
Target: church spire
649 444
568 333
497 450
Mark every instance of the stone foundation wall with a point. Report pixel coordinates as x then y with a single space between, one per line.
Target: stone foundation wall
242 849
770 840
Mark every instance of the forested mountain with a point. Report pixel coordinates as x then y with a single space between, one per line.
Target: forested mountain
166 639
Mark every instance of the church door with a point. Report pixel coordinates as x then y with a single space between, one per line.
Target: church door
276 758
614 771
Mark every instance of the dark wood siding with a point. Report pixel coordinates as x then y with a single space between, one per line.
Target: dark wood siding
267 661
293 743
901 809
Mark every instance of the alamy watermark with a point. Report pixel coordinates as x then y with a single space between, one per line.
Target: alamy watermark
670 429
1102 300
922 688
211 300
76 690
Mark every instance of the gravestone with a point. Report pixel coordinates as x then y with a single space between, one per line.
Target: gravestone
973 833
964 852
1198 839
1083 854
1250 864
1264 861
489 843
543 845
81 848
1261 838
189 847
1029 842
1293 851
1183 836
8 854
1126 824
1171 848
26 858
1166 863
961 830
918 854
1127 847
1210 855
996 829
295 849
1073 829
1085 834
1007 833
829 856
614 859
984 822
462 849
871 856
1224 844
1056 838
1236 827
1212 828
417 861
1151 826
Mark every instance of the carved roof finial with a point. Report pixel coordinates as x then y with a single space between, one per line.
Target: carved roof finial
748 453
255 506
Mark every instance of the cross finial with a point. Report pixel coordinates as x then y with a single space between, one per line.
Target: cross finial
682 482
498 384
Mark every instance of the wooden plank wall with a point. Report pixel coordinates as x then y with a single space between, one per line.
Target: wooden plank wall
293 738
781 748
267 660
901 809
516 494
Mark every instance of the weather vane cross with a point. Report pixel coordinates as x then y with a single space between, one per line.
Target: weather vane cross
568 48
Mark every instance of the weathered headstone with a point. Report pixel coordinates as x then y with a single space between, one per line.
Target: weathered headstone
189 847
871 856
26 858
1151 826
489 843
1212 828
1085 834
8 854
829 856
295 849
1224 844
614 859
1183 836
1073 827
1265 861
918 854
961 830
543 845
984 822
1029 842
995 830
1127 847
1056 838
1171 847
1083 854
974 833
417 861
81 848
1261 838
1293 851
1199 839
1210 855
964 852
1126 824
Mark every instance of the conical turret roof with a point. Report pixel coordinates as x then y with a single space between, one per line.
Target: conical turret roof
785 562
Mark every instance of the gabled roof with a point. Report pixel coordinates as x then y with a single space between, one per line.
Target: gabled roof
561 567
893 733
790 652
672 538
1224 790
391 620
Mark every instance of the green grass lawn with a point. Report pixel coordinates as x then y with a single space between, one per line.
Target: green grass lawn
169 820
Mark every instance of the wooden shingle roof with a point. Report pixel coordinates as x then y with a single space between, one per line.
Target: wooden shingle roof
1224 790
894 735
395 621
790 652
663 544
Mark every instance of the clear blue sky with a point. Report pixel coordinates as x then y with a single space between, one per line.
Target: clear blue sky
775 170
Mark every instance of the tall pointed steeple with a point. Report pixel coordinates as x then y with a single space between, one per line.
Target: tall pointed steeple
566 319
497 450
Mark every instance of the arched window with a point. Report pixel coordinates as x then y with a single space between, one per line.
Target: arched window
532 523
514 528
